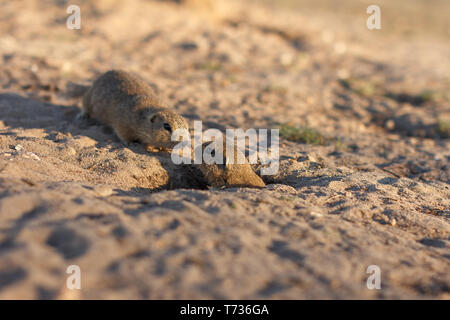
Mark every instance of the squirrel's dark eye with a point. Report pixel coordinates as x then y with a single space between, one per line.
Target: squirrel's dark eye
213 153
167 127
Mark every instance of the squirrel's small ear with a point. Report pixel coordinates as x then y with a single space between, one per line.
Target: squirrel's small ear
153 118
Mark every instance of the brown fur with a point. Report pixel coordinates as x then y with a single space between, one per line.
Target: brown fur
230 173
128 105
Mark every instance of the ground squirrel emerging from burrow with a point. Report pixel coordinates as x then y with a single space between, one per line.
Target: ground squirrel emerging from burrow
230 173
129 105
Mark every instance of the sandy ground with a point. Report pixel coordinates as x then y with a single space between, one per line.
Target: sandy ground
376 192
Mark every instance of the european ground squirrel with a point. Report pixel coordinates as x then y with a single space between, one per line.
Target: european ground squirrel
230 173
129 105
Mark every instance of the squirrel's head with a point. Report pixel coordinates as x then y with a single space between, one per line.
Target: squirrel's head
162 124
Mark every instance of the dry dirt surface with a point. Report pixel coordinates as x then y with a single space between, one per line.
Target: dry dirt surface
364 173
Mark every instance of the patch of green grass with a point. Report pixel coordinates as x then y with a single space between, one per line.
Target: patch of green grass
303 135
277 89
363 88
427 95
232 78
366 89
340 145
370 88
211 66
443 129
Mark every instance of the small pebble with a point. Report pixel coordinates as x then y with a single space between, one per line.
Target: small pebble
390 125
316 214
286 59
71 151
103 191
34 156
